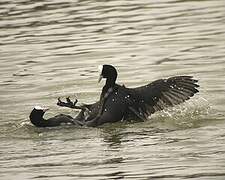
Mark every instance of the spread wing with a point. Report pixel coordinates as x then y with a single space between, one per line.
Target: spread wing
163 93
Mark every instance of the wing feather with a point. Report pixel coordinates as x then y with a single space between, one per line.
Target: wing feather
163 93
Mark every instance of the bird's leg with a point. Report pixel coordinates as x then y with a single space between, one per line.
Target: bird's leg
69 104
94 122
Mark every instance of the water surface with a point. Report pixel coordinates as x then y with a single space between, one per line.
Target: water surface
52 49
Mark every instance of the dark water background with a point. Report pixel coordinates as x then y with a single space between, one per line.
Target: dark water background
53 48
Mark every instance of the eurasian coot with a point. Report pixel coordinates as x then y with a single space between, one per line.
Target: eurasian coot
120 103
36 118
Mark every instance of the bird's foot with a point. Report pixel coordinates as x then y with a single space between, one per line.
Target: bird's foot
68 103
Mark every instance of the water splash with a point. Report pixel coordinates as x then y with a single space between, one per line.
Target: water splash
187 115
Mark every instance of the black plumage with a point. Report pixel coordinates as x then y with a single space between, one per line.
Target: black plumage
36 118
121 103
118 102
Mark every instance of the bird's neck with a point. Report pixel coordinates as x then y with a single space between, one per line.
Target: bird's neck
110 83
37 121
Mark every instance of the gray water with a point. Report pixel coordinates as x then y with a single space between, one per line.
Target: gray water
51 49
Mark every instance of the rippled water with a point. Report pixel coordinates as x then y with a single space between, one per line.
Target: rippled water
52 48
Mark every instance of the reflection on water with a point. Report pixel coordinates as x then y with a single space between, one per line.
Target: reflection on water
52 48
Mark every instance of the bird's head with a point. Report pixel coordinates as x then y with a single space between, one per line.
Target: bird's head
38 112
109 72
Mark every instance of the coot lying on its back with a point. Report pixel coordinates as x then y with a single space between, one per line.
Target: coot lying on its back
118 102
36 118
